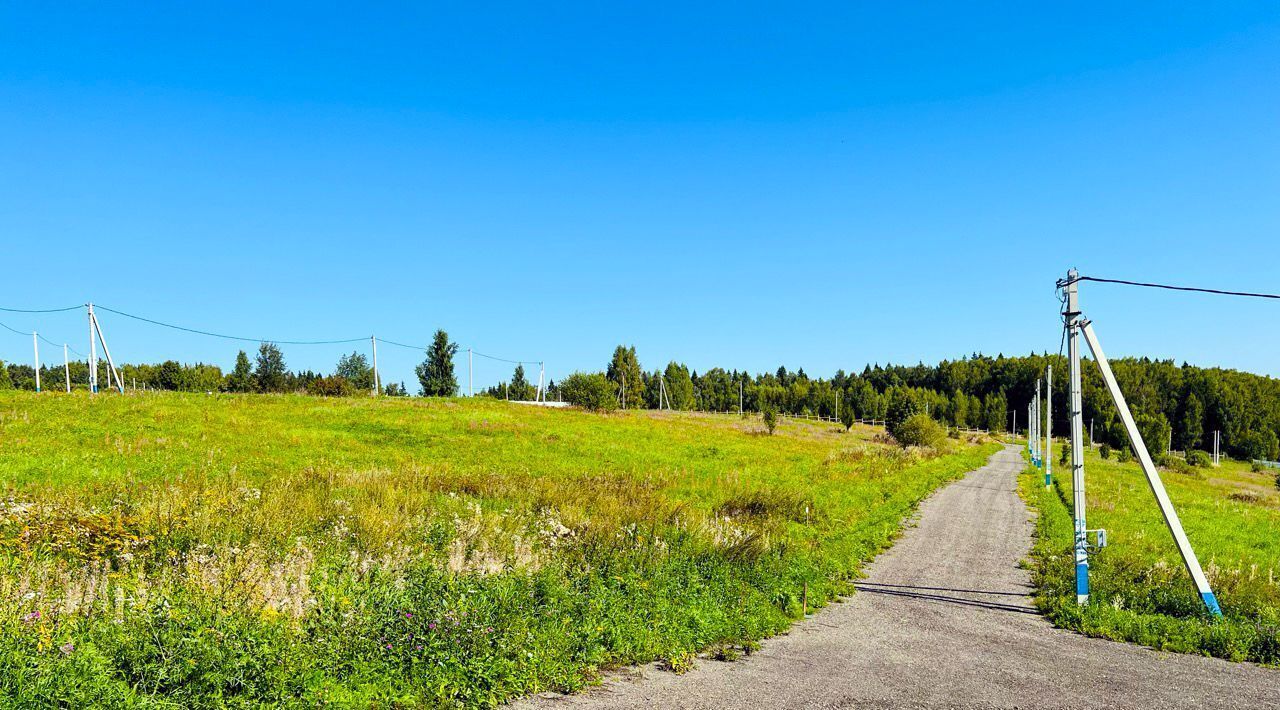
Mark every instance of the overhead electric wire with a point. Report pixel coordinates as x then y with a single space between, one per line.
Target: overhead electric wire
1169 287
502 359
231 337
41 310
224 336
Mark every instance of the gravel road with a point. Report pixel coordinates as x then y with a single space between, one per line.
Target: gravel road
944 620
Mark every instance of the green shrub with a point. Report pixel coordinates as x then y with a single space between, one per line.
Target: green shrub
1199 459
1257 467
920 430
1175 464
1125 456
591 391
846 418
1278 481
332 386
770 415
1104 451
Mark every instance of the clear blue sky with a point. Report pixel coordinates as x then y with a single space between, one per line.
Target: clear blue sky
743 185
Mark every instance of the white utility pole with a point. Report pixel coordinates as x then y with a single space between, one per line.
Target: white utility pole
93 355
1144 458
66 366
1072 314
1039 455
35 343
739 397
377 384
1048 428
471 380
111 365
542 371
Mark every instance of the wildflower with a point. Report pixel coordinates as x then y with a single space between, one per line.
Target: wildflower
67 648
30 618
407 615
431 625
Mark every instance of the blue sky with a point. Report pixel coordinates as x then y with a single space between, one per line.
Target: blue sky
743 185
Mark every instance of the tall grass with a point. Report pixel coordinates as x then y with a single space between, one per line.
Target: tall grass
1140 591
169 550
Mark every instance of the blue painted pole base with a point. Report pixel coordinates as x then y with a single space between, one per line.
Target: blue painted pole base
1082 582
1211 603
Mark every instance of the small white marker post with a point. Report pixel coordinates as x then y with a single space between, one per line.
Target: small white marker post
35 343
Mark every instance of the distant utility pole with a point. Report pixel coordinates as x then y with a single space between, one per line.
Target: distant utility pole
471 382
739 396
1048 428
377 384
1090 432
66 366
93 356
35 343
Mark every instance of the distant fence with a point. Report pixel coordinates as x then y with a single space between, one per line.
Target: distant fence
1268 464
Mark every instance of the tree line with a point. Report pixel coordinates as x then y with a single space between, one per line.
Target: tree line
1177 406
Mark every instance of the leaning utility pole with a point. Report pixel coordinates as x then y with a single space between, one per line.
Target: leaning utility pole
1078 326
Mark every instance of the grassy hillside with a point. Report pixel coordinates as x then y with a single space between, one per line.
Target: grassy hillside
190 550
1140 590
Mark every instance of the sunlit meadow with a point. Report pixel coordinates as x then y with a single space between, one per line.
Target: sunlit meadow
180 550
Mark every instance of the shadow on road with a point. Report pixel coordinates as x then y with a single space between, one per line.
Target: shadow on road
932 594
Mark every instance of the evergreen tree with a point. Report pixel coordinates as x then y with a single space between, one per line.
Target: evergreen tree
520 389
355 369
625 373
680 386
435 374
1192 423
271 375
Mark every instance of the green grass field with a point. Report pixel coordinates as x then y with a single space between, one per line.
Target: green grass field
1140 591
175 550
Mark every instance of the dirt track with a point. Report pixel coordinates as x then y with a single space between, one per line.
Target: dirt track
943 621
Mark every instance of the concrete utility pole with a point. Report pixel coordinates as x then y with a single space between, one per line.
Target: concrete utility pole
377 384
1048 428
93 355
66 366
739 396
35 343
1072 314
471 382
1077 325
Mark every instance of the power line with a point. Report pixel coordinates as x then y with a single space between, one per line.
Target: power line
1169 287
502 359
41 310
231 337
